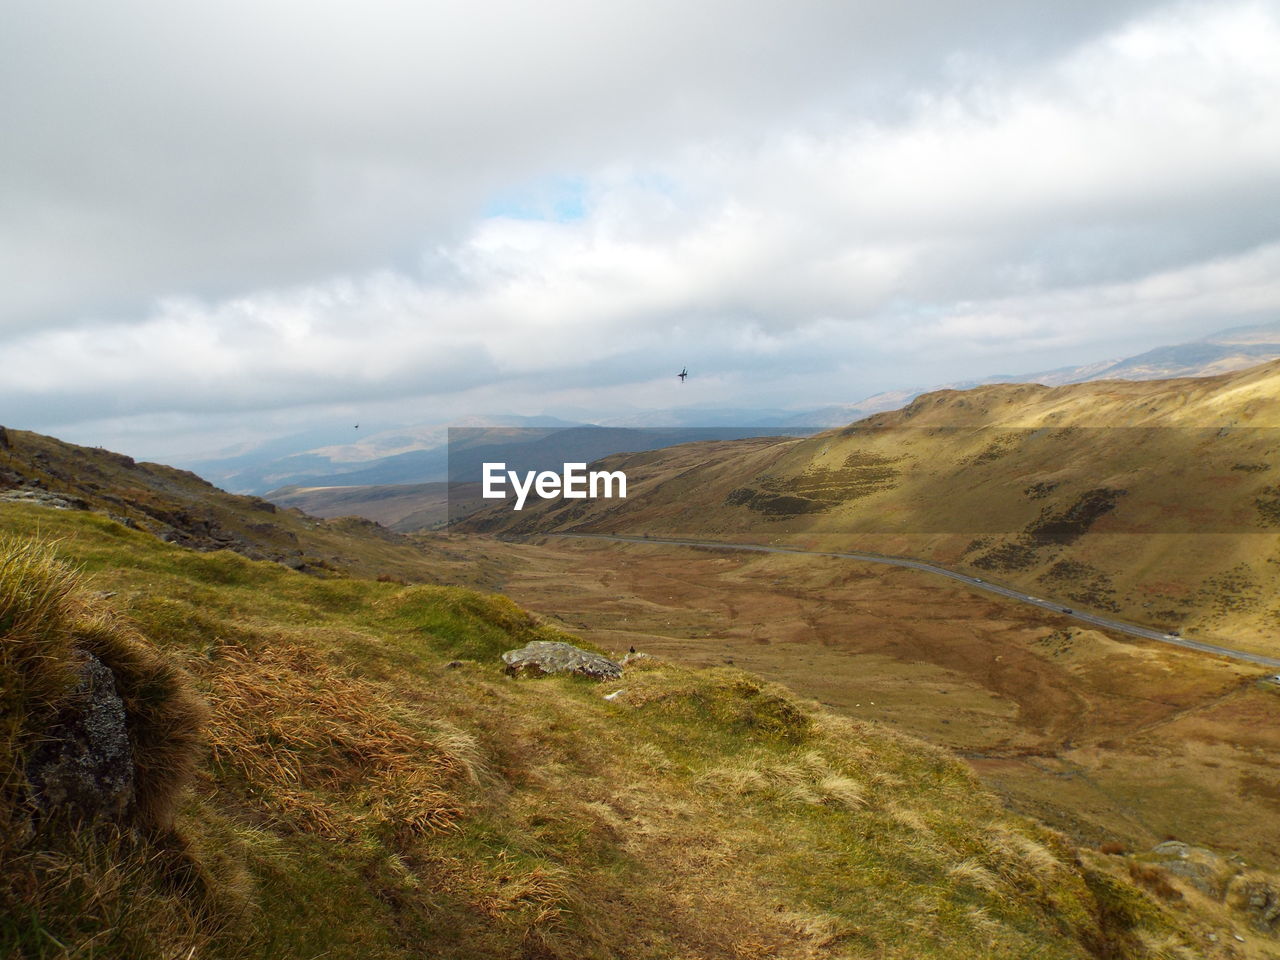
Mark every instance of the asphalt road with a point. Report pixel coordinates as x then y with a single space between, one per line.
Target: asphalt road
1097 620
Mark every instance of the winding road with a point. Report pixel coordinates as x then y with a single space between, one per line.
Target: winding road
1097 620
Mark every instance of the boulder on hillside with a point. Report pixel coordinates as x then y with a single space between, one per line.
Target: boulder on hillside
1253 893
539 657
1203 869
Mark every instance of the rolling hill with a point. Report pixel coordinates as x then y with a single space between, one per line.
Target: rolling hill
321 763
380 493
181 508
383 477
1155 500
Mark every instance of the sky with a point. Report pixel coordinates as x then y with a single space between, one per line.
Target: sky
221 223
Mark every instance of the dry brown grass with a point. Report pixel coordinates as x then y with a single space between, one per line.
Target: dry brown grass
293 724
364 801
1154 879
36 618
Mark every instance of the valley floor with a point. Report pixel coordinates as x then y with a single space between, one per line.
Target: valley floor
1106 737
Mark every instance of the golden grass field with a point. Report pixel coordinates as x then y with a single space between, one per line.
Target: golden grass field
367 783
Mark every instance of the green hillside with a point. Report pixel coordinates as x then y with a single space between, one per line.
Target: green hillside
338 767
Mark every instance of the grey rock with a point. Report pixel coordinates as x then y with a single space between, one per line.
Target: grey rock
1253 894
1259 900
83 766
1203 869
549 656
43 498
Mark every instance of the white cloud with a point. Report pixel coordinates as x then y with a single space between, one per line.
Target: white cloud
765 192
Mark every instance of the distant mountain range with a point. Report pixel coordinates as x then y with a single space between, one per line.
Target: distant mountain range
415 454
1222 352
402 454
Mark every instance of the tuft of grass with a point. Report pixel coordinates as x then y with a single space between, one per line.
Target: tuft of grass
43 622
164 715
36 665
323 748
126 888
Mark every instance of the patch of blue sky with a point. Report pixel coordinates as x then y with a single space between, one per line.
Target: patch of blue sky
562 199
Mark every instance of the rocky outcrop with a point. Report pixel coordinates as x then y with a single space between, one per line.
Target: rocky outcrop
1259 900
1252 893
540 657
1203 869
44 498
83 765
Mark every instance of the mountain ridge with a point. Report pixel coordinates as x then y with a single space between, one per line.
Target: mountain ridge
1091 489
373 459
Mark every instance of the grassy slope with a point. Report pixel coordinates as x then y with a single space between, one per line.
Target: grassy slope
375 787
179 505
409 506
1158 500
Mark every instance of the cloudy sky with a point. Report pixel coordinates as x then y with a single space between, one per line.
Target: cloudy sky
225 221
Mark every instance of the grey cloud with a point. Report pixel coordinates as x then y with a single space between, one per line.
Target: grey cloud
271 212
209 149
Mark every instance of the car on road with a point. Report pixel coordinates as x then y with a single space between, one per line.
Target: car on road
1173 634
1067 610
